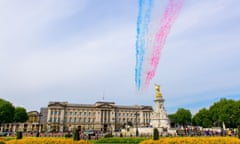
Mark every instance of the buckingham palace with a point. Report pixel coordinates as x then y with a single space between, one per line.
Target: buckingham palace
64 116
104 116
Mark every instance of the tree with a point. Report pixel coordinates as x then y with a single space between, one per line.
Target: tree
172 118
19 135
235 121
183 116
20 115
155 134
239 131
202 118
76 136
6 111
227 111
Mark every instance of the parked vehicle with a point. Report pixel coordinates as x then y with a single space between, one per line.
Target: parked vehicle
89 132
5 134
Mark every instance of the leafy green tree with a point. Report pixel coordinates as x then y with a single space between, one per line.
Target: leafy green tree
19 135
183 116
20 115
235 121
155 134
227 111
76 136
172 118
202 118
239 131
6 111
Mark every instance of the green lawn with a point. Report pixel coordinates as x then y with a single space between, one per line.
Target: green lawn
118 140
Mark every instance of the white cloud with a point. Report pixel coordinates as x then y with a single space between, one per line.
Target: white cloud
21 31
198 59
198 15
24 21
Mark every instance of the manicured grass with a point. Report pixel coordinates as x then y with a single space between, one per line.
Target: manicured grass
118 140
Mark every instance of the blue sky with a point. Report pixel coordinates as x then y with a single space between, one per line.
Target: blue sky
80 51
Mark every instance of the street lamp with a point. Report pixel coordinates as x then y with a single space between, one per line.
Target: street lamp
231 122
39 120
136 114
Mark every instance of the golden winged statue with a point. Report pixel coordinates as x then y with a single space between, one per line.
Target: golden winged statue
158 93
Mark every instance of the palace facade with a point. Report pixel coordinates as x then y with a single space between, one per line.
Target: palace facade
64 116
106 116
103 116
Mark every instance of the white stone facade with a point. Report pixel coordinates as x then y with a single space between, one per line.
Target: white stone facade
159 117
104 116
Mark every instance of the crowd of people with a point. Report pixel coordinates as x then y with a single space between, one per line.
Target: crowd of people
206 132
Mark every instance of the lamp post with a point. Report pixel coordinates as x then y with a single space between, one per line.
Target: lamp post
39 121
136 114
58 125
231 123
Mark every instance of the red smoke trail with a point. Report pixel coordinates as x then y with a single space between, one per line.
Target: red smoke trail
170 15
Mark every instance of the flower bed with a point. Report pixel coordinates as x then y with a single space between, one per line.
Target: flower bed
194 140
41 140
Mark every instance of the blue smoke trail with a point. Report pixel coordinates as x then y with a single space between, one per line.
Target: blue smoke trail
143 21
